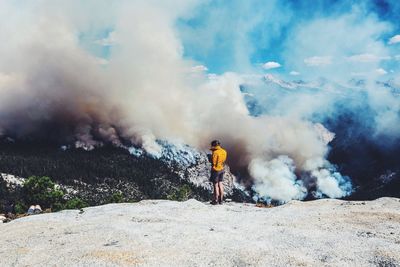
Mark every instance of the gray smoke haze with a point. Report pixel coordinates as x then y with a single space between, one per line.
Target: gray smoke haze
144 90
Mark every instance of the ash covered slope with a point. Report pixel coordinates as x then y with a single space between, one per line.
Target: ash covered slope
166 233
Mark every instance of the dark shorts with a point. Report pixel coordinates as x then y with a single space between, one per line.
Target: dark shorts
217 176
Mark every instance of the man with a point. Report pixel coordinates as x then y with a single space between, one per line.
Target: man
217 160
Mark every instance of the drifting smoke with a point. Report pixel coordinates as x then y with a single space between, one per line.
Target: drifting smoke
54 88
276 179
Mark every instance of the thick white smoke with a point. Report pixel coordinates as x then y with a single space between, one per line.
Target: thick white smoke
53 86
275 179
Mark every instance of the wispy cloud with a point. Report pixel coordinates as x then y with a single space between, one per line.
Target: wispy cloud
380 71
318 61
271 65
294 73
394 40
199 68
335 46
365 58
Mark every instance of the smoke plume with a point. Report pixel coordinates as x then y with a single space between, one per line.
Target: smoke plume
132 84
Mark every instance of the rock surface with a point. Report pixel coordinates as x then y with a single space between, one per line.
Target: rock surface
167 233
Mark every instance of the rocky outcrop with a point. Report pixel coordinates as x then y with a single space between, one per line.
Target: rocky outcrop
193 166
167 233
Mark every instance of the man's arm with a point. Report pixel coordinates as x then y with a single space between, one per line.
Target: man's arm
209 157
215 160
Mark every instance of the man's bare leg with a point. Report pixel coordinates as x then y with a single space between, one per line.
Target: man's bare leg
221 192
216 192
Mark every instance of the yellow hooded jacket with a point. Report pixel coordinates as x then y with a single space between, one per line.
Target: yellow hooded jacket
218 158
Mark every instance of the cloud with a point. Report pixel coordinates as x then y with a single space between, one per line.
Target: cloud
318 61
294 73
199 68
271 65
326 42
358 73
380 71
366 58
243 28
372 73
394 40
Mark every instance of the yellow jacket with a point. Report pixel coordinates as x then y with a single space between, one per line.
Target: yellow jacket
218 158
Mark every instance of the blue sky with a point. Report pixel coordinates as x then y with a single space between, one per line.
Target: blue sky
310 38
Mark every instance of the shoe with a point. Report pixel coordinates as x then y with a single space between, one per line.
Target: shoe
31 210
37 209
213 202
